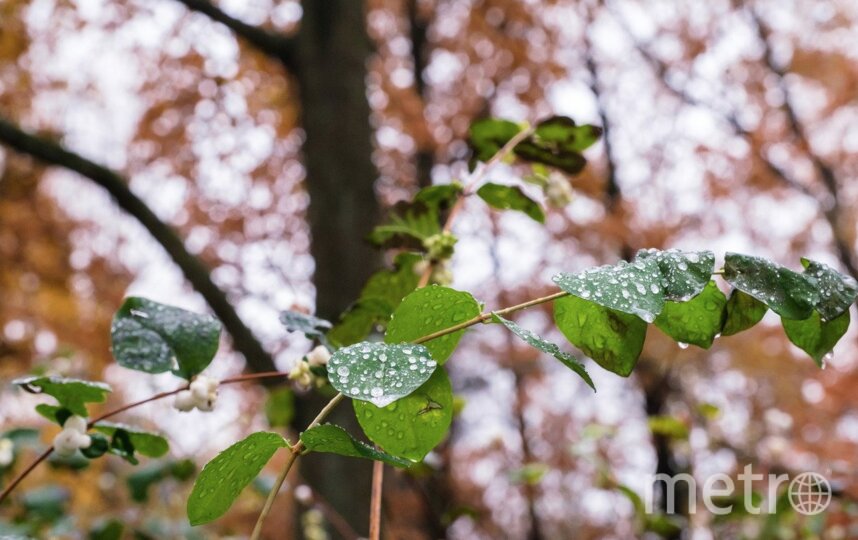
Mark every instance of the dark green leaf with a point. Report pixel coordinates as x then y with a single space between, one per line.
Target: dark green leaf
697 321
816 336
415 424
152 337
612 338
45 503
121 445
147 443
510 198
223 478
72 394
332 439
378 372
310 326
99 445
683 273
110 529
441 196
546 346
280 407
380 296
563 133
743 311
785 292
429 310
837 292
633 288
55 414
567 161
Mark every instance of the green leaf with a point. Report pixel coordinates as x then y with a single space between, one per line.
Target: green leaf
54 413
280 407
511 198
381 295
743 311
409 223
697 321
72 394
223 478
333 439
684 274
440 196
564 133
837 292
787 293
669 426
815 336
612 338
380 373
143 478
45 503
429 310
489 135
107 530
530 474
152 337
310 326
99 445
546 346
147 443
415 424
633 288
567 161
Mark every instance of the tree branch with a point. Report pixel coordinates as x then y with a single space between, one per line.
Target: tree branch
258 359
271 43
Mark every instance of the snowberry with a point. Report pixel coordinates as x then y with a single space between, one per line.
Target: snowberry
72 437
201 394
319 356
7 452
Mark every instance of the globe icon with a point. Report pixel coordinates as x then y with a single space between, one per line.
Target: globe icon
809 493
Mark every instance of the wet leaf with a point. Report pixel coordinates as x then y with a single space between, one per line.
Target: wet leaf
815 336
511 198
152 337
787 293
837 292
413 425
310 326
430 310
380 373
145 442
73 394
742 312
684 274
612 338
633 288
224 477
333 439
697 321
546 346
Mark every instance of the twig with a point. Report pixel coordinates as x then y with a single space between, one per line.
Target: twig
17 480
375 500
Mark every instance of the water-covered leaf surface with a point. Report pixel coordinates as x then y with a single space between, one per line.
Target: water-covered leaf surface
223 478
380 373
335 440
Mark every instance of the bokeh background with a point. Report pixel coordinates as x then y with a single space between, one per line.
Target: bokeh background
271 135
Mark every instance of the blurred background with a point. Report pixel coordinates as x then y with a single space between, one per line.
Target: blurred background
271 135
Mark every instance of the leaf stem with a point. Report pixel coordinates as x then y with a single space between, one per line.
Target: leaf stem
375 500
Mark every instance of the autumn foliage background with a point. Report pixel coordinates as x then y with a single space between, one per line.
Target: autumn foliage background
272 143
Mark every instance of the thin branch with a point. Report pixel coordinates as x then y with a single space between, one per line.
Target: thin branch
375 500
275 45
258 359
26 472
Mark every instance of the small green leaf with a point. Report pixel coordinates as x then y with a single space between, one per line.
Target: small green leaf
54 413
72 394
668 426
633 288
223 478
530 474
696 321
152 337
430 310
564 133
546 346
785 292
816 336
415 424
280 407
612 338
147 443
408 225
683 273
837 292
99 445
743 311
489 135
440 196
310 326
333 439
380 373
511 198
